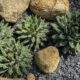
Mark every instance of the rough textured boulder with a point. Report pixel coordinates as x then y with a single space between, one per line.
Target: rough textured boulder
11 10
47 59
49 8
31 76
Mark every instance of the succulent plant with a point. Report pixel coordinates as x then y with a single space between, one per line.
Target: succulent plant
32 31
15 59
5 30
66 32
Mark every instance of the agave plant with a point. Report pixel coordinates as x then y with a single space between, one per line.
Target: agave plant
5 30
15 59
66 32
32 31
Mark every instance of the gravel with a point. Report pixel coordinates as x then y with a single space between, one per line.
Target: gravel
75 4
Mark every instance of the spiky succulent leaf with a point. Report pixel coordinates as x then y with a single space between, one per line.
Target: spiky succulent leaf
14 58
32 30
66 32
5 30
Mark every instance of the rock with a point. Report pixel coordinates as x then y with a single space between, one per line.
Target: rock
11 10
2 78
31 76
47 59
49 8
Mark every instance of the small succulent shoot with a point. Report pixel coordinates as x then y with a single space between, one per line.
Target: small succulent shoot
66 32
32 31
5 30
15 59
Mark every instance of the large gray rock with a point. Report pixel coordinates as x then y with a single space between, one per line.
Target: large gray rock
11 10
49 8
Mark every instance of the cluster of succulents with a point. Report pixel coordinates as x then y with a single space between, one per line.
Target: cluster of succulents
66 32
14 58
32 31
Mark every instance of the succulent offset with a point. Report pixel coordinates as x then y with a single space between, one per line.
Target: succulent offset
66 32
5 31
32 31
15 59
